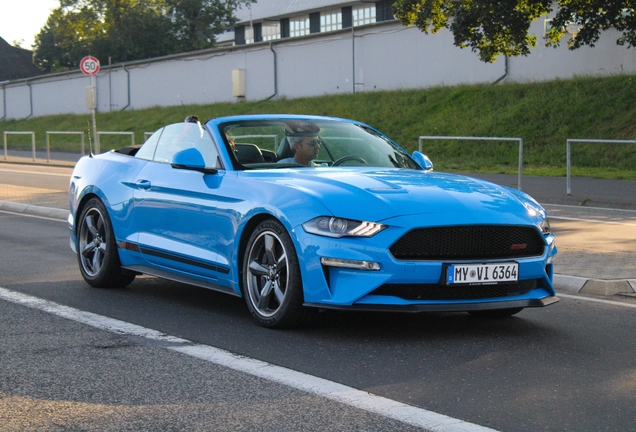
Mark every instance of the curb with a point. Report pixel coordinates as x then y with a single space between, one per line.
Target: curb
53 213
576 284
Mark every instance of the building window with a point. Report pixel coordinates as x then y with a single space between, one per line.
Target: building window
384 10
271 31
314 22
239 35
258 32
284 28
330 21
347 17
299 26
363 15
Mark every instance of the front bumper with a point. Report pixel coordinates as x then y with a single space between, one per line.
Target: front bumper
344 288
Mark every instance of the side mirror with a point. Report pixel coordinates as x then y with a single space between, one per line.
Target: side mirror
423 161
191 159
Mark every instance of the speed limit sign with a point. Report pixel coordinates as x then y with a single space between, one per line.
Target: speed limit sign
89 65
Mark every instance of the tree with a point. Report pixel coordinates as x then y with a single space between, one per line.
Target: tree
196 22
492 28
126 30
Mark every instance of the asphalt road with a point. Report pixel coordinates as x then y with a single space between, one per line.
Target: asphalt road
566 367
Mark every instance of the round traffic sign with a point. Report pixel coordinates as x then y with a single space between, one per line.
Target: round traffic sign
89 65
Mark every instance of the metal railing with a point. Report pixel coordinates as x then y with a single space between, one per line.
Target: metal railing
568 153
48 141
519 140
4 139
99 134
273 137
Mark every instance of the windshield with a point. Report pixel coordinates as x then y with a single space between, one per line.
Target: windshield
270 144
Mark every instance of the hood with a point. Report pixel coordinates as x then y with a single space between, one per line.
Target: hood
379 195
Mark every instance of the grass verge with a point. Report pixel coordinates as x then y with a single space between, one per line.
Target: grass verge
543 114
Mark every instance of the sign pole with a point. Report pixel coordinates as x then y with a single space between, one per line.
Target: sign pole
90 66
93 107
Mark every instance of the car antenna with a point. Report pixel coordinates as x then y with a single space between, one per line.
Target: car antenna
90 145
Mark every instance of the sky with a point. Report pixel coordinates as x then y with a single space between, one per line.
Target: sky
23 19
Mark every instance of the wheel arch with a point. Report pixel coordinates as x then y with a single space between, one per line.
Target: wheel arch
82 204
248 229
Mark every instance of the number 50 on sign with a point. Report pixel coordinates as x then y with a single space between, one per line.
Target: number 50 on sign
89 65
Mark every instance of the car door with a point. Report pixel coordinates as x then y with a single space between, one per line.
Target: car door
175 210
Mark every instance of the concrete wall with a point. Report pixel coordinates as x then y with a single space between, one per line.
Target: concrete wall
386 56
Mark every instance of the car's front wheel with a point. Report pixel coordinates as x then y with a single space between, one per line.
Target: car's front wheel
97 250
272 284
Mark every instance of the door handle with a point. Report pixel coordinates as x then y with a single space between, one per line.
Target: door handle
143 184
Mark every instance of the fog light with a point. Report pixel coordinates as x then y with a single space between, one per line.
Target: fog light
352 264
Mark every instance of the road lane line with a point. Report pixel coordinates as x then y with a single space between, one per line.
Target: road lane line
55 174
33 216
385 407
578 208
591 221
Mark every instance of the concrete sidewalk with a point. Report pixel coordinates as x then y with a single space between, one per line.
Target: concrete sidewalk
597 245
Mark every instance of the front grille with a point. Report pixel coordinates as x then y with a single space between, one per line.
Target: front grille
454 292
468 242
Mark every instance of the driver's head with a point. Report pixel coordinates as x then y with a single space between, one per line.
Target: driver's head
305 148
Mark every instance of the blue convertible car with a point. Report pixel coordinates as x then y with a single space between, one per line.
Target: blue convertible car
301 213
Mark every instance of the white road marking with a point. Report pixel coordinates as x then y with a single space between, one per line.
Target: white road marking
337 392
36 172
592 221
33 216
578 208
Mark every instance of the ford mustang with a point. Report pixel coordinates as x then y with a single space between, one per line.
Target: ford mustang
301 213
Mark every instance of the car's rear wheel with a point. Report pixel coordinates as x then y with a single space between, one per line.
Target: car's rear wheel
97 250
496 313
272 283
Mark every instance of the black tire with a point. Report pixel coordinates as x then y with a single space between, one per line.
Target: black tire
97 250
272 284
495 313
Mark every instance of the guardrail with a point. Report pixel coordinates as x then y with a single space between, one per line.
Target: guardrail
99 134
48 141
568 151
274 137
4 139
519 140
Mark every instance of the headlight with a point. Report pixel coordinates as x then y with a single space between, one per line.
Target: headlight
544 226
339 227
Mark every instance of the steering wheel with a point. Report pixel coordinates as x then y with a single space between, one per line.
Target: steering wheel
348 158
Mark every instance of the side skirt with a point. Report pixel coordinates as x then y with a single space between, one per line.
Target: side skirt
180 278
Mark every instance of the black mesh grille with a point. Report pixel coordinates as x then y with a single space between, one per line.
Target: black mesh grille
454 292
469 242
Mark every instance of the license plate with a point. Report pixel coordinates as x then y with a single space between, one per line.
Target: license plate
482 273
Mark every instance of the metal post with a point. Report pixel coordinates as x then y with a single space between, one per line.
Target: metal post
353 57
94 106
520 163
568 162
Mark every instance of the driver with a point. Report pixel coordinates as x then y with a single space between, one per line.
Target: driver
305 150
